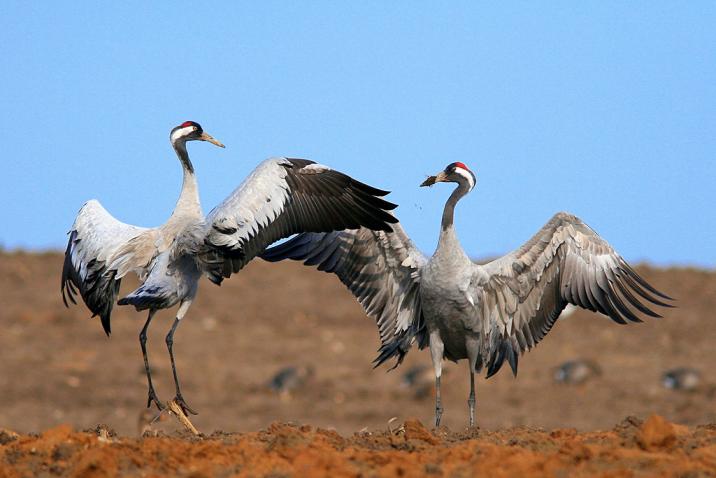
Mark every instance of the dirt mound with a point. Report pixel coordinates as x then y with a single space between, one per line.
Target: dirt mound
632 448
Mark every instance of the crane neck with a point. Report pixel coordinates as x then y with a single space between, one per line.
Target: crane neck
448 237
180 149
188 202
448 219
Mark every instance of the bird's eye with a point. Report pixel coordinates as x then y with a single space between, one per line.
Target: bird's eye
194 128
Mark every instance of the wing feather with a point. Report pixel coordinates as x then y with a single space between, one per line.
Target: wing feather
95 260
381 269
523 293
282 197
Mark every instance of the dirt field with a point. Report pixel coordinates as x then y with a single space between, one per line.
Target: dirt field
59 368
652 448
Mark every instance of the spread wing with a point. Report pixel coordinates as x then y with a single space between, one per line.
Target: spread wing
520 295
97 257
282 197
381 269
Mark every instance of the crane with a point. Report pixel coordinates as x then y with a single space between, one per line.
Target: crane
281 197
487 314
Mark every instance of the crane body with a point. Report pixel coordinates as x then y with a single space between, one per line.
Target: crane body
281 197
487 314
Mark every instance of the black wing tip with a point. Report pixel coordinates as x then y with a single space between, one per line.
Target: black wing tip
392 219
373 191
386 352
367 188
66 285
624 295
294 248
389 206
504 352
637 277
105 320
68 292
637 284
216 280
493 369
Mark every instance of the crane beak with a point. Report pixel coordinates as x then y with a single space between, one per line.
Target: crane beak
209 138
439 178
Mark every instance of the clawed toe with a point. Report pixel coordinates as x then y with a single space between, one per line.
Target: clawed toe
184 406
152 398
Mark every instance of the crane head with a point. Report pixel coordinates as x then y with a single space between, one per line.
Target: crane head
453 173
191 131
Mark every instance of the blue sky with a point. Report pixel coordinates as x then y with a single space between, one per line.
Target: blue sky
603 109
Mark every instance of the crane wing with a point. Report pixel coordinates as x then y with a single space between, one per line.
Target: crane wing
99 252
520 295
282 197
381 269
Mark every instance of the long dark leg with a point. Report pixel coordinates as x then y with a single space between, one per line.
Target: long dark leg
143 342
472 345
438 403
471 400
436 353
170 342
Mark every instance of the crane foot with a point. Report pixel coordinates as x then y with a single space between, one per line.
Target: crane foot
152 398
179 400
438 416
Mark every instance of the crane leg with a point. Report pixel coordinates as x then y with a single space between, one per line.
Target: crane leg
436 353
472 346
152 398
170 342
471 399
438 403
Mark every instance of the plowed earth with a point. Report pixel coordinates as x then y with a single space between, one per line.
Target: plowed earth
652 448
60 374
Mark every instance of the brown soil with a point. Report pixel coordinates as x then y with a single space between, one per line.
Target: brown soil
655 447
58 368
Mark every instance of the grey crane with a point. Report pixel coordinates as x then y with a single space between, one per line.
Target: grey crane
483 313
281 197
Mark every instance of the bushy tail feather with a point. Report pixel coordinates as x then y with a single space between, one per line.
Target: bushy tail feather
149 297
400 346
506 350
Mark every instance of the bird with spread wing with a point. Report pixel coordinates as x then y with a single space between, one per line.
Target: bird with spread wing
281 197
487 314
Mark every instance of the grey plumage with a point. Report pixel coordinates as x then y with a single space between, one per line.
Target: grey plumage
488 314
284 197
281 197
380 269
94 236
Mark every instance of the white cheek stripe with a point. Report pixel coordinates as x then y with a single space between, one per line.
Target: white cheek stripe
182 132
466 175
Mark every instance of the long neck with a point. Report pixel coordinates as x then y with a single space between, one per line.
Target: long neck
188 202
448 237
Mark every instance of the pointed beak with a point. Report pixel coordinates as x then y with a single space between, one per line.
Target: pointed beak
209 138
439 178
